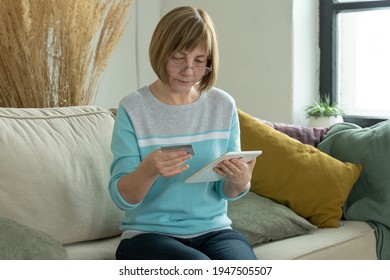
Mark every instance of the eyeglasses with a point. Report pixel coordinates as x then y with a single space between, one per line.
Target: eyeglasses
179 65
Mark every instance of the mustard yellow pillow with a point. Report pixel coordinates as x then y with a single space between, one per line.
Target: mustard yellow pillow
311 183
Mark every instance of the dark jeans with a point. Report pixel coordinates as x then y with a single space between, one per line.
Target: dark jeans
219 245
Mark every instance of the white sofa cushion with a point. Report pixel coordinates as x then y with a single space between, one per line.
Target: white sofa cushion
54 171
102 249
353 240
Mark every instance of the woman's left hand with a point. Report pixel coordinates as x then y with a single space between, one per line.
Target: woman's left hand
237 172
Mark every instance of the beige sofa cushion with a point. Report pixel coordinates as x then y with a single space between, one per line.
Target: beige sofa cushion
353 240
54 171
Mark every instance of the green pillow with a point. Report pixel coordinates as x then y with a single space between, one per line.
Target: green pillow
369 199
370 147
261 219
19 242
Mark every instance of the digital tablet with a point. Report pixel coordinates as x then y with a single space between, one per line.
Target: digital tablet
207 174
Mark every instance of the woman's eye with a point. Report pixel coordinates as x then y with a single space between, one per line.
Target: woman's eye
178 59
200 62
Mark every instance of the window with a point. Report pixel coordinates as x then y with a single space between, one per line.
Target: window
355 57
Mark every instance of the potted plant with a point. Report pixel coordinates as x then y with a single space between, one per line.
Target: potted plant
324 113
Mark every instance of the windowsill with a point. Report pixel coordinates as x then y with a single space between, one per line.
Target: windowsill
363 121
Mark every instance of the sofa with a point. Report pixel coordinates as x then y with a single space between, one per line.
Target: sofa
54 202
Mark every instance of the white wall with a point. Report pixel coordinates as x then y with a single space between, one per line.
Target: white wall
129 66
268 48
306 57
121 74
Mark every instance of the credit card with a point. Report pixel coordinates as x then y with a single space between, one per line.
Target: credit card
188 148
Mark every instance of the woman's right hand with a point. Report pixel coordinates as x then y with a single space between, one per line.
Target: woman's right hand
134 186
167 164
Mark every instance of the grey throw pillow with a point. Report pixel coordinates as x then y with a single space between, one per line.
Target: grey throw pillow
261 219
19 242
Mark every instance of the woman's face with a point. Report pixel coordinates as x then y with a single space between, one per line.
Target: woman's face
186 68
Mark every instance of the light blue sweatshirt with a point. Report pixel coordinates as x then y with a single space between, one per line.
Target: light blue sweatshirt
171 206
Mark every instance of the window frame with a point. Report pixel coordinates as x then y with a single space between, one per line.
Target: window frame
328 49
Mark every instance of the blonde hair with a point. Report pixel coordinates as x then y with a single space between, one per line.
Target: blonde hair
184 28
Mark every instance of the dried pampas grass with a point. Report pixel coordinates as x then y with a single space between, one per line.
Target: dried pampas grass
52 52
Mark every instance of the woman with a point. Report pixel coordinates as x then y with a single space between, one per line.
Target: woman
165 217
